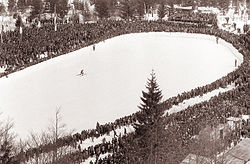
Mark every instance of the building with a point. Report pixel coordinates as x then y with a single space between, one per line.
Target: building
234 122
240 154
194 159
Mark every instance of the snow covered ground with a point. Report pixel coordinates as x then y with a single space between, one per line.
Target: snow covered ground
95 141
93 159
90 142
116 73
198 99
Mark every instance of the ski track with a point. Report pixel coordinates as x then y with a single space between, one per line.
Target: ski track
112 87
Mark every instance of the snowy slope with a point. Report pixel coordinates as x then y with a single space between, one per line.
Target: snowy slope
116 74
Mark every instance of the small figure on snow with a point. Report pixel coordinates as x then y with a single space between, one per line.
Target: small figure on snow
235 62
82 72
93 47
217 39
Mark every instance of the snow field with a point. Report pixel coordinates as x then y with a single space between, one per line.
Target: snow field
116 74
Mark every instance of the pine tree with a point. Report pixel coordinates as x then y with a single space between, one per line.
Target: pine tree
112 7
127 9
59 6
62 7
139 8
21 5
101 8
150 111
2 8
36 8
149 121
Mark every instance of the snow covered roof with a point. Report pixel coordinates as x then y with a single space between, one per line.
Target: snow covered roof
235 119
209 10
183 7
245 117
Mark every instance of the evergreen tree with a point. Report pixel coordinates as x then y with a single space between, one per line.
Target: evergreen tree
59 6
2 8
139 8
127 9
62 7
149 121
112 7
150 111
162 10
21 5
36 8
101 8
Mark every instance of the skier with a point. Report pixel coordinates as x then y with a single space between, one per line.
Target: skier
82 72
235 62
93 47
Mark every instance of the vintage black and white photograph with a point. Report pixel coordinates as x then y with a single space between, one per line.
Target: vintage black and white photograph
125 82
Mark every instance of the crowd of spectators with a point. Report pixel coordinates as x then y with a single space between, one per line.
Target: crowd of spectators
21 50
33 45
111 149
193 17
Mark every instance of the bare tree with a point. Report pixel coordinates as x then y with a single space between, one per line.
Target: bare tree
7 138
35 140
56 130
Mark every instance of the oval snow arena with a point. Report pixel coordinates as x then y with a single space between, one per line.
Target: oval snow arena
116 73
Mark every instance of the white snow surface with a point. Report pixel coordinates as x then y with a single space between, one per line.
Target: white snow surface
93 159
87 161
119 131
116 73
198 99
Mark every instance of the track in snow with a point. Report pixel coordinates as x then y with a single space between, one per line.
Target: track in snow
116 74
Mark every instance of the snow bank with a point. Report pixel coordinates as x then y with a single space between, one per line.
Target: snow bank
93 159
95 141
198 99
